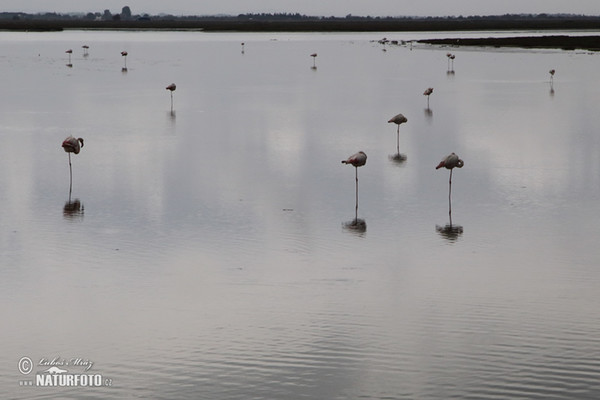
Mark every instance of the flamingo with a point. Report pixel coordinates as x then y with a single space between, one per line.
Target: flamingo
427 93
85 49
452 57
243 47
450 162
69 52
398 119
448 55
356 160
314 56
124 55
72 145
171 88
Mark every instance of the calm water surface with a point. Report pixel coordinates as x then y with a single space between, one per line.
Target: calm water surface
205 253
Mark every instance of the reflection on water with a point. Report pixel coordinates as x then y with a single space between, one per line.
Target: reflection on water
357 225
184 278
73 209
398 158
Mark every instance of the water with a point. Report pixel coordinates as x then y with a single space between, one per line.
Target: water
209 254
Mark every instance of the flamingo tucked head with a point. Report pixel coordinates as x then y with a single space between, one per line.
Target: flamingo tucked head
428 91
72 145
552 72
313 55
124 53
69 51
171 87
357 160
398 119
451 161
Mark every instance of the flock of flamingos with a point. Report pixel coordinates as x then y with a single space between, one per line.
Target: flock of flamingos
359 159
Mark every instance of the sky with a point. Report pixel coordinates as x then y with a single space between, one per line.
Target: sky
311 7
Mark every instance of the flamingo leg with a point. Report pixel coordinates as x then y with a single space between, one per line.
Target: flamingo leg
356 208
449 195
70 175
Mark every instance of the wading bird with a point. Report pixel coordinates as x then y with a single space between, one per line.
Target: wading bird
450 162
72 145
124 55
69 52
171 88
356 160
452 57
85 48
427 93
243 47
398 119
314 56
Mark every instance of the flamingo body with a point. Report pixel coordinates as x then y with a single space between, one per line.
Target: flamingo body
398 119
428 91
171 87
72 145
356 160
450 162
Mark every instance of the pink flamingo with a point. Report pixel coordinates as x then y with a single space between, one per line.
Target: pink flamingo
427 93
356 160
398 120
450 162
72 145
171 88
124 55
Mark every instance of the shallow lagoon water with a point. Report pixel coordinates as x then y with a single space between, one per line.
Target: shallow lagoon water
209 254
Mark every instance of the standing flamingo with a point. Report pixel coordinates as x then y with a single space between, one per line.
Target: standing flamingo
356 160
452 57
85 48
314 56
450 162
124 55
69 52
171 88
398 119
243 47
72 145
427 93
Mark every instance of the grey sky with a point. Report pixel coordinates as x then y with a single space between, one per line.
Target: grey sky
312 7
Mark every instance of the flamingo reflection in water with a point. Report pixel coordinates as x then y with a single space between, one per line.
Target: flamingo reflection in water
356 160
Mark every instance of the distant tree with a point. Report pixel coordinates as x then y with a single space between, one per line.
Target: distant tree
116 17
90 16
126 13
107 15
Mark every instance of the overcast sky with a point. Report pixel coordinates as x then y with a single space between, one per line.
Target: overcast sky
311 7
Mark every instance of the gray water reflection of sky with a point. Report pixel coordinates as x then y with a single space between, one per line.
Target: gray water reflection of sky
213 238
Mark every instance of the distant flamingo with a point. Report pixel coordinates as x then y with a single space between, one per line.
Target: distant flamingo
448 55
356 160
85 49
171 88
314 56
124 55
452 57
69 52
450 162
427 93
398 120
72 145
243 47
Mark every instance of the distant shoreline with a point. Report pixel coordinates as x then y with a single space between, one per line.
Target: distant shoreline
591 42
311 24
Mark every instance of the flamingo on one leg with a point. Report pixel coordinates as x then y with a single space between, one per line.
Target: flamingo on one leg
72 145
356 160
450 162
